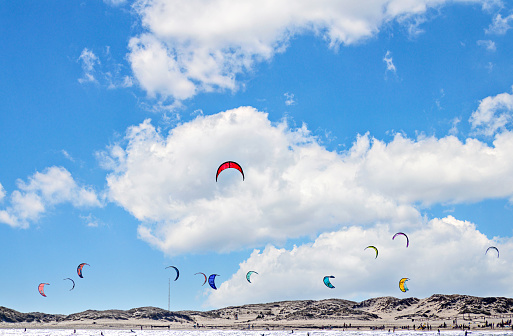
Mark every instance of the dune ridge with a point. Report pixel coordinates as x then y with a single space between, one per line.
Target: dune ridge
438 310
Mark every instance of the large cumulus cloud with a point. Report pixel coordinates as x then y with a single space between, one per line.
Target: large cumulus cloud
294 187
197 45
445 256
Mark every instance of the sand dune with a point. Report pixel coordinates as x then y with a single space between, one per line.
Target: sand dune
388 312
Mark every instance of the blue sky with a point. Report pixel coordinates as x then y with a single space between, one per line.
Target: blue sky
352 121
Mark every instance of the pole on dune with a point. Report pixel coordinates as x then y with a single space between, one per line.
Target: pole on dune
169 294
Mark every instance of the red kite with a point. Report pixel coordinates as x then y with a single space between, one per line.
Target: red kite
41 288
229 164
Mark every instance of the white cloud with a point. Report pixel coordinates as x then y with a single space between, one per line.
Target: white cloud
454 128
493 114
8 218
89 61
199 45
115 2
109 75
91 221
289 99
388 60
492 5
43 190
489 67
413 25
294 187
438 101
127 82
156 71
488 44
67 155
430 170
2 192
445 256
500 25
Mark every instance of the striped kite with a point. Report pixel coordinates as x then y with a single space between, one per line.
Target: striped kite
79 269
402 285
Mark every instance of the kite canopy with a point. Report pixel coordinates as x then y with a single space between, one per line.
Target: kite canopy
71 281
229 164
373 247
402 234
177 272
79 269
203 275
211 280
41 288
493 248
248 275
327 281
402 285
